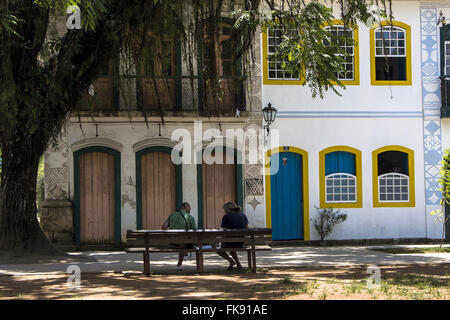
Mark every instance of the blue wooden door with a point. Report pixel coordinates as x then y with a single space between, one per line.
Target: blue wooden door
286 196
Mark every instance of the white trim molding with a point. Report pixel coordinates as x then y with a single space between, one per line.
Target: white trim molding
94 142
153 142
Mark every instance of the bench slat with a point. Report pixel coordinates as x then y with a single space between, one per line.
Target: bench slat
168 250
153 242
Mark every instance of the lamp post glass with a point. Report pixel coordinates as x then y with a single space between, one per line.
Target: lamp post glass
269 114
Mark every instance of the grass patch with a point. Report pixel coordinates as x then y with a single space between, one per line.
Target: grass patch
413 250
286 280
323 295
419 282
301 288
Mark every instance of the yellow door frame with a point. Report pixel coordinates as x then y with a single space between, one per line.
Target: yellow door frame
304 155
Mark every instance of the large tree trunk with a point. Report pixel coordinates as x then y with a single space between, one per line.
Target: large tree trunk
19 226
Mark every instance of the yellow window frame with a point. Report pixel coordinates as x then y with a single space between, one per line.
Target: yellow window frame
412 189
358 162
266 79
408 80
355 81
356 77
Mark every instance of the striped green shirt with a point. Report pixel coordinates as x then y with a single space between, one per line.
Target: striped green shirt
177 222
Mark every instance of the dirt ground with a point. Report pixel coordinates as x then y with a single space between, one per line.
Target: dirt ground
399 282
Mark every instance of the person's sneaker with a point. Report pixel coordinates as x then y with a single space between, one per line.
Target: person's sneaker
179 268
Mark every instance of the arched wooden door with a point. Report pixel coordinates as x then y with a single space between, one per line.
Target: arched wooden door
97 196
159 187
221 183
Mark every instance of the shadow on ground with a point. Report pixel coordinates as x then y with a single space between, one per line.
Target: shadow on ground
266 284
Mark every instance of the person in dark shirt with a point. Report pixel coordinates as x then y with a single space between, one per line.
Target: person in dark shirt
233 219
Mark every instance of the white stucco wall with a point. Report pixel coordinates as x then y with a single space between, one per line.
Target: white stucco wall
365 134
126 134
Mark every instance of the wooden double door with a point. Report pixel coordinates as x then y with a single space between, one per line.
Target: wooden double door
220 184
158 188
96 196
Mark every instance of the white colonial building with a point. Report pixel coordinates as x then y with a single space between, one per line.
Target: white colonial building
374 151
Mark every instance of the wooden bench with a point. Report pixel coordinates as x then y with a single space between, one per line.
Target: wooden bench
163 241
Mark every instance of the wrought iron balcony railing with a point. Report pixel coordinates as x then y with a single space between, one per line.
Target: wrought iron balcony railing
172 94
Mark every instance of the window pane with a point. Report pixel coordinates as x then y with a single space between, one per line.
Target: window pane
276 70
390 68
394 40
339 34
447 58
340 192
393 162
397 189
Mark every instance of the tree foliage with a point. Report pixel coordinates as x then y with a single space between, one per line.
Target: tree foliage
439 215
444 179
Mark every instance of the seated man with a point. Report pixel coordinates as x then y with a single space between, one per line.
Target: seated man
233 218
181 220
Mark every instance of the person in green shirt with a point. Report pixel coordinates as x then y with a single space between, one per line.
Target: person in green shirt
181 220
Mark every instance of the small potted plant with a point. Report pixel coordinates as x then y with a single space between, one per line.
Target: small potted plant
327 219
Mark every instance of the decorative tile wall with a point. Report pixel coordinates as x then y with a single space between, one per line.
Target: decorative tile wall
431 100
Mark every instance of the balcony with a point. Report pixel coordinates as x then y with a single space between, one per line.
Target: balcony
170 96
445 96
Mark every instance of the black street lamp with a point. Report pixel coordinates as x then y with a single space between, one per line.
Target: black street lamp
441 19
269 114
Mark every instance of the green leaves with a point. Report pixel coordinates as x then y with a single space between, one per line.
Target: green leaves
8 22
444 179
327 220
306 49
90 12
439 215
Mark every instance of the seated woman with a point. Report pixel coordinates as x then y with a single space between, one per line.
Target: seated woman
233 219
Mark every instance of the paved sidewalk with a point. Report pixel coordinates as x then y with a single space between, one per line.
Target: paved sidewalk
119 261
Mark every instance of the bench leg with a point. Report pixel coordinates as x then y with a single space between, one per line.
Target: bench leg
146 263
249 258
197 261
200 260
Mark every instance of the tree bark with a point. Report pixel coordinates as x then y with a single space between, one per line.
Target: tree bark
19 227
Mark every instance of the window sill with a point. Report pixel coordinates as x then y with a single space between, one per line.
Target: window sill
410 204
283 82
391 83
341 205
348 82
